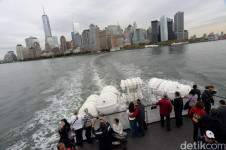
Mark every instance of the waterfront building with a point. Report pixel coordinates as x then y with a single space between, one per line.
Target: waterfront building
49 43
138 36
113 29
134 25
127 38
22 52
186 34
63 46
149 33
155 31
105 39
170 28
31 41
46 24
193 37
55 41
76 28
86 40
163 28
94 37
10 57
77 39
179 25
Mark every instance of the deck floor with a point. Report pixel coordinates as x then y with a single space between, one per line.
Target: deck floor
157 138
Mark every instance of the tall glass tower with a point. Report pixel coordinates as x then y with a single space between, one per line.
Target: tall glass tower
163 28
46 25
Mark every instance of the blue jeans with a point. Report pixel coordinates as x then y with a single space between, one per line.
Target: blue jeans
141 127
133 126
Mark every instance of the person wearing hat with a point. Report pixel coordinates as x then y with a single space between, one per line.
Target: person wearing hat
104 134
207 142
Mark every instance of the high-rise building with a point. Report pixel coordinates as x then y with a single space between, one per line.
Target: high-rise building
10 57
86 39
113 29
76 28
163 28
31 41
186 34
22 52
94 37
105 39
155 31
138 36
46 24
170 28
77 39
179 25
63 45
149 34
55 41
134 25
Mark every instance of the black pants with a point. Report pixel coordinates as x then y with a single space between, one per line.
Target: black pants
196 130
88 134
79 138
167 121
179 118
207 108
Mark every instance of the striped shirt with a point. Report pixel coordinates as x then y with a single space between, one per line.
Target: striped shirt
87 120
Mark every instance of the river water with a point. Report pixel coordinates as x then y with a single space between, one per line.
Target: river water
36 95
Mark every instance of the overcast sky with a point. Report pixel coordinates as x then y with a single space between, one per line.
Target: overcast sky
20 19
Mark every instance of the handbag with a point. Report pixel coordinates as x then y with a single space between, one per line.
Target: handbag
71 133
186 106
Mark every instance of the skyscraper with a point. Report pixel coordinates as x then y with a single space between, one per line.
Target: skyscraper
113 29
179 25
85 39
134 25
138 36
94 37
76 28
163 28
170 28
155 31
31 41
46 24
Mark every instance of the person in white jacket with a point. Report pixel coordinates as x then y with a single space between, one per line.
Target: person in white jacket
118 128
76 122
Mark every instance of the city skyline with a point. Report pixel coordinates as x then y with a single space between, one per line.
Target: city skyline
61 25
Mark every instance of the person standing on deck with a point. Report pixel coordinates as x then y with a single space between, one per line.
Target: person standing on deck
140 117
207 98
178 109
197 91
222 117
76 121
165 110
88 125
192 98
132 120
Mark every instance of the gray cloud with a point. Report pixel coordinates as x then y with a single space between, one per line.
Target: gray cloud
22 18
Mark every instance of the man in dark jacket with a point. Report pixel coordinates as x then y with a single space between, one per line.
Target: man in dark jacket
178 108
141 116
165 110
197 91
104 135
222 117
207 98
211 122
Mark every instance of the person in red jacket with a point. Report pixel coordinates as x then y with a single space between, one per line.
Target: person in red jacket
165 110
196 113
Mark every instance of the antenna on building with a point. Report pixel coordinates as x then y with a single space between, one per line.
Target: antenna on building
43 9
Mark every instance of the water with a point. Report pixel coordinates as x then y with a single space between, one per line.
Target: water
36 95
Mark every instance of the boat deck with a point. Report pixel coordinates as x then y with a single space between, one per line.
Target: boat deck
157 138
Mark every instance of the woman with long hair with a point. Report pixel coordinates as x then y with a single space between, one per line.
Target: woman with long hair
88 125
132 120
76 121
63 133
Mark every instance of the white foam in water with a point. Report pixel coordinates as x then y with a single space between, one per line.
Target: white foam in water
46 122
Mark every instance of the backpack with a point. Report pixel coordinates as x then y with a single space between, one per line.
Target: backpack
71 133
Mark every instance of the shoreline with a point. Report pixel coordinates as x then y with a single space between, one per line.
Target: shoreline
130 47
